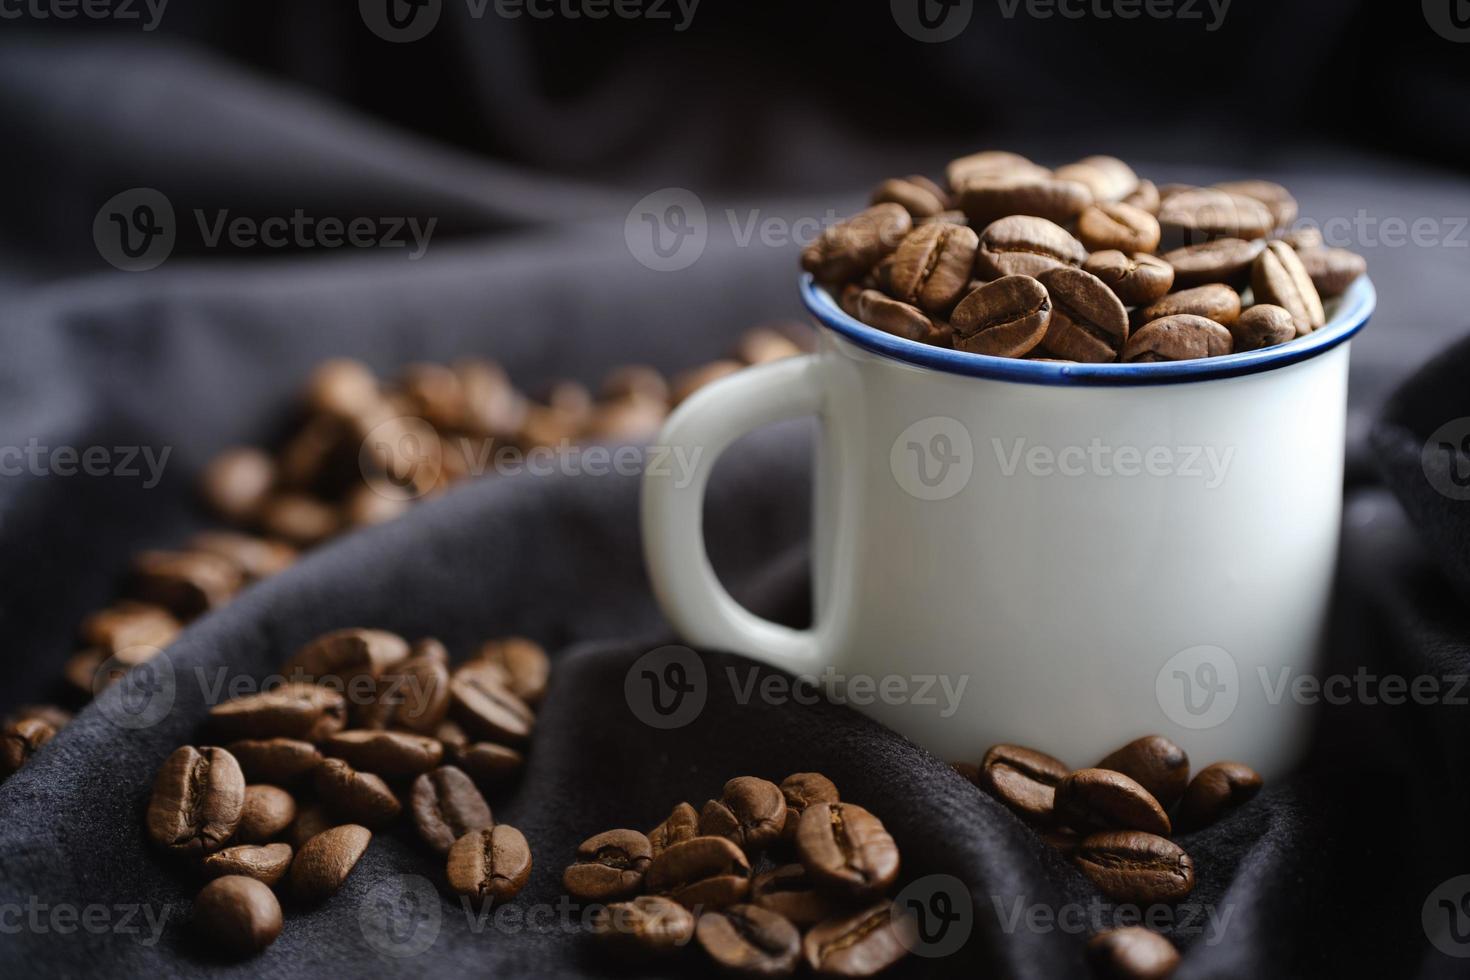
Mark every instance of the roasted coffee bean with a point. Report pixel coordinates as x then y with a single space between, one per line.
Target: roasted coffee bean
385 753
266 863
357 797
747 940
919 196
1108 178
680 825
626 420
702 872
801 790
446 805
751 813
609 865
237 482
129 624
1263 325
880 310
1023 779
493 408
1025 246
845 251
1155 763
186 583
81 673
1132 953
492 862
413 695
1207 212
931 268
1101 799
790 891
947 217
524 663
1131 866
1277 199
1136 280
1177 338
237 913
434 393
489 764
1332 270
279 761
846 848
1224 260
267 812
1216 301
342 387
1279 278
301 711
256 558
310 820
1088 321
687 383
648 926
20 740
860 944
57 718
347 658
1118 226
1303 239
988 199
762 345
323 863
991 163
1063 839
302 520
488 708
1215 791
198 798
365 506
1004 318
1145 197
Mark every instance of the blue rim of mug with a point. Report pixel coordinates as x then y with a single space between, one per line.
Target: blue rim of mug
1351 313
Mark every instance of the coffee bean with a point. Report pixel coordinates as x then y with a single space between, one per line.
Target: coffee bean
434 393
879 310
186 583
1025 246
707 872
1145 197
323 863
1062 839
1004 318
1101 799
347 658
687 383
1208 212
1279 278
991 163
492 406
446 805
680 825
487 708
790 891
492 862
342 387
859 944
1155 763
524 663
385 753
609 865
301 519
751 813
413 695
747 940
1263 325
988 199
268 811
628 420
489 764
299 711
128 624
1216 302
801 790
845 251
1023 779
1303 239
358 797
946 217
762 345
1118 226
1224 260
1332 270
198 797
932 267
266 863
648 926
57 718
1215 791
1177 338
1136 280
279 761
237 482
1088 321
1131 866
635 381
919 196
20 740
1108 178
1277 199
846 848
310 820
237 913
1132 953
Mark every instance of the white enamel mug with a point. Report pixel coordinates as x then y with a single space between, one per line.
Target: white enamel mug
1064 556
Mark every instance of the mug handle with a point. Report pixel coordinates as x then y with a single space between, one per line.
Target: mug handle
684 581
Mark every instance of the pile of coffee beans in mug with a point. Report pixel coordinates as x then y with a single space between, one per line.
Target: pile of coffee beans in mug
1085 263
295 780
1114 821
763 880
318 483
